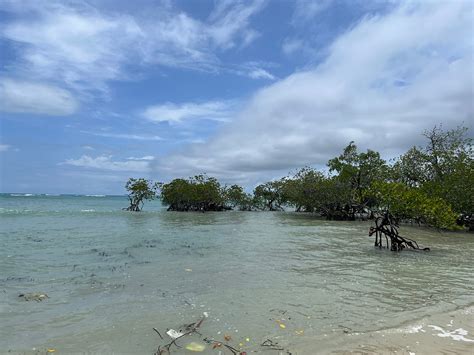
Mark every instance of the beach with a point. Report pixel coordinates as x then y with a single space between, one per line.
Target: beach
443 333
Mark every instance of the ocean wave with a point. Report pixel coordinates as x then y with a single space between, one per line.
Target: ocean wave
15 211
22 195
87 210
95 195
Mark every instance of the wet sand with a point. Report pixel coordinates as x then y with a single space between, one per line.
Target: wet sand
446 333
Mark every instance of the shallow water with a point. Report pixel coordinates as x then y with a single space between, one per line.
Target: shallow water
112 276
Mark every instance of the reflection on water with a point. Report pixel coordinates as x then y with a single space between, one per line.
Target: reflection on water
112 275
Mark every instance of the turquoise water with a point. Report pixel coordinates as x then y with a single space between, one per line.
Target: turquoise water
111 276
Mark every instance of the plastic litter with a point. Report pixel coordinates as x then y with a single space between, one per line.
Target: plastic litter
195 347
36 296
174 333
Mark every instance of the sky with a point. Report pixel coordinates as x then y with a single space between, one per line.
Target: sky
95 92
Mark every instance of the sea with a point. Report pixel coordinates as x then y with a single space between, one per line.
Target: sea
266 282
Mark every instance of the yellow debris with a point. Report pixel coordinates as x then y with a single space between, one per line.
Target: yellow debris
282 326
195 347
51 350
299 332
247 339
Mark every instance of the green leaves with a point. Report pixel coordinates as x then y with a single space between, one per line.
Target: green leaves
198 193
432 185
270 195
140 190
236 196
359 170
444 169
406 202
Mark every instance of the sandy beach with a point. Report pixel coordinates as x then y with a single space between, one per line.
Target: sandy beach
445 333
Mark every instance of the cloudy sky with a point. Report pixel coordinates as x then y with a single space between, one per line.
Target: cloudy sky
94 92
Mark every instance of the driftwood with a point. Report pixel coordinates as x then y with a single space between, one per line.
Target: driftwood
269 344
187 330
386 226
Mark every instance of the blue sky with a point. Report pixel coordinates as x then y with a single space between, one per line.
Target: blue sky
94 92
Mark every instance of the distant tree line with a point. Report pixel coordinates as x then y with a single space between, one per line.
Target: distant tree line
431 185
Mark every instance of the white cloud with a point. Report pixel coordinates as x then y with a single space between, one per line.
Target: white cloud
306 10
146 157
77 46
382 83
291 45
4 147
124 136
178 40
83 48
104 162
170 112
261 74
230 22
254 70
33 97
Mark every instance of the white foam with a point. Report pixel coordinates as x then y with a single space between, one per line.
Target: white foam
457 334
414 329
469 310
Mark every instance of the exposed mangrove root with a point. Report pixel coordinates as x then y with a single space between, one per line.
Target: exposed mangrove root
136 205
198 207
387 227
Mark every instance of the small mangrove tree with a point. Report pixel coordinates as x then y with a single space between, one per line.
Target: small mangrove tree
140 190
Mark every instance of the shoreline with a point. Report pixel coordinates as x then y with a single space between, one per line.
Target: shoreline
446 332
